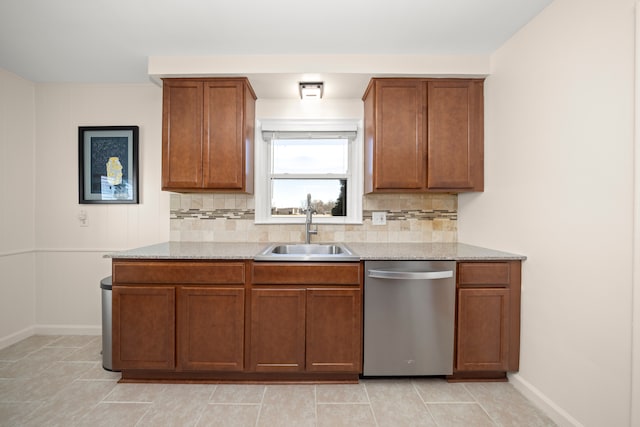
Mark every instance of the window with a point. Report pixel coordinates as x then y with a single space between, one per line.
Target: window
290 164
319 167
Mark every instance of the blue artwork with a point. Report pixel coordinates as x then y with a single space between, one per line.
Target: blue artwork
108 169
104 148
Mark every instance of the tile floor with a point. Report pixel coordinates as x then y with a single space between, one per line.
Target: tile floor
59 381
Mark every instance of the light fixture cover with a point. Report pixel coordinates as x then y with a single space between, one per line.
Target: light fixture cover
311 90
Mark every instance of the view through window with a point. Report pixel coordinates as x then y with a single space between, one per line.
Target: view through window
319 167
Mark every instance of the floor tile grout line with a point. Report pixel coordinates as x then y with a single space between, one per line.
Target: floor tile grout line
496 423
91 408
426 406
23 401
489 415
315 401
204 408
37 408
75 347
215 388
264 392
366 391
435 402
143 415
343 403
233 404
206 405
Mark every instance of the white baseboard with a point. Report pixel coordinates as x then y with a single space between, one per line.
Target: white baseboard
15 337
68 330
556 413
49 330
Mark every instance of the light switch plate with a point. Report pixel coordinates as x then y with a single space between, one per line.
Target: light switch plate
83 218
379 218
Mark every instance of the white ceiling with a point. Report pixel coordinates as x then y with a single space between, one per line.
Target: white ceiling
110 41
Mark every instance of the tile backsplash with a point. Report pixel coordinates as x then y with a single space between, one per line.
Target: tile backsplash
230 218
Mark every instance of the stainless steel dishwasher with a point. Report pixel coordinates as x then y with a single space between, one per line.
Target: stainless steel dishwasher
409 314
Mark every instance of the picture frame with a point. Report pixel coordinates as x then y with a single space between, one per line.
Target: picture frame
108 164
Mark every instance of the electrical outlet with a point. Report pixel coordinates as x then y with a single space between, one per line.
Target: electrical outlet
379 218
83 218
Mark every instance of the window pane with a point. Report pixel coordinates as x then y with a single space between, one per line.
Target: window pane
310 156
289 196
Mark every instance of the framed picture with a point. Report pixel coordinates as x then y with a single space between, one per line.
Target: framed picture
108 164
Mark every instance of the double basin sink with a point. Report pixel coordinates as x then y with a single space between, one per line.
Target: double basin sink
307 252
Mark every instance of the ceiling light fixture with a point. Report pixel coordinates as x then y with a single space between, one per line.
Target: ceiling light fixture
311 90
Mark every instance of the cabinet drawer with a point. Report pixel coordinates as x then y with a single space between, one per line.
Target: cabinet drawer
178 272
483 274
300 273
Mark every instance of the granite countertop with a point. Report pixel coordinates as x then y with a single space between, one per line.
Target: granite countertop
192 250
366 251
429 251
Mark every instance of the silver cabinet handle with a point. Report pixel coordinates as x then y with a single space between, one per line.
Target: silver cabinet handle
410 275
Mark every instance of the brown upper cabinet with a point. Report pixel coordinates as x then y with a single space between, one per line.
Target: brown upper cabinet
208 135
424 135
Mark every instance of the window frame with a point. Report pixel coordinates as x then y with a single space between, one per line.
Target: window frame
263 168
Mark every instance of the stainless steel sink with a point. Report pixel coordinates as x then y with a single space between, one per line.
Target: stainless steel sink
307 252
308 249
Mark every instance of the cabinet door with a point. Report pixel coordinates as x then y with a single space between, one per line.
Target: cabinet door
182 134
143 327
483 329
210 326
334 325
277 330
399 157
455 135
223 166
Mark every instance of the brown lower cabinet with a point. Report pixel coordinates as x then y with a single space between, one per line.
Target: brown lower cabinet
208 324
306 329
306 317
487 320
253 321
188 320
143 327
277 330
210 329
178 316
483 330
334 330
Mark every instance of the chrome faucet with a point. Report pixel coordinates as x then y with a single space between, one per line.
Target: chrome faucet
308 222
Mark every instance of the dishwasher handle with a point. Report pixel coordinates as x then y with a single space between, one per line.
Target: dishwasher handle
410 275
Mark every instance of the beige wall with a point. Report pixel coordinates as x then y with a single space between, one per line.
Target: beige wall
559 188
50 267
17 207
70 259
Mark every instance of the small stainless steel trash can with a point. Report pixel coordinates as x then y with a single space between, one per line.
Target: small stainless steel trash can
105 287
